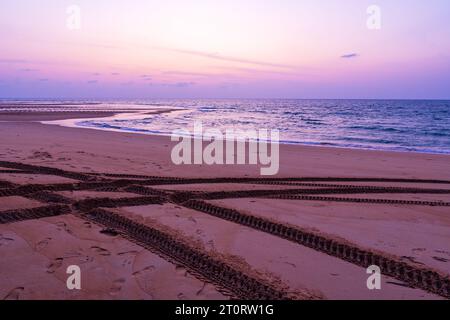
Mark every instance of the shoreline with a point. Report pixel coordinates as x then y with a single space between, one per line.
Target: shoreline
282 142
292 156
68 119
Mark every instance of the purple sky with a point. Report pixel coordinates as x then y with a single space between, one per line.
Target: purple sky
221 49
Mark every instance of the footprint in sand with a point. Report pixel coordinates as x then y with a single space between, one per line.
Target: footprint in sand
410 259
79 256
40 155
4 241
443 252
116 286
148 268
181 296
101 251
192 220
42 244
54 265
291 264
440 259
14 294
63 226
199 292
87 224
127 262
128 252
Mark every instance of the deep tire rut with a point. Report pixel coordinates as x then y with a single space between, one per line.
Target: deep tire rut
422 278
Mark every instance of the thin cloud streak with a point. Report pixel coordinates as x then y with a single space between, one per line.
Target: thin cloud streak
350 55
217 56
292 73
187 73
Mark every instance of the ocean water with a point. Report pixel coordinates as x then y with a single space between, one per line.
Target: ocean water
410 125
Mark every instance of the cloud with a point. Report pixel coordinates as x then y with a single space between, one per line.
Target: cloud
217 56
184 73
350 55
146 77
115 74
210 55
251 70
176 84
19 61
184 84
92 82
43 80
28 70
34 62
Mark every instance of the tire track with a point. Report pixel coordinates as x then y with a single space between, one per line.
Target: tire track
177 180
16 172
94 203
240 284
46 170
362 200
146 191
347 190
48 197
34 213
6 184
423 278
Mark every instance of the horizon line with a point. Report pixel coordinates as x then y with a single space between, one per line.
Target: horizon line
216 98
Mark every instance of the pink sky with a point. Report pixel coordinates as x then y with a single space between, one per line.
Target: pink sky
216 49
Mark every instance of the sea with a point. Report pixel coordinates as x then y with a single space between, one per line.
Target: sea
393 125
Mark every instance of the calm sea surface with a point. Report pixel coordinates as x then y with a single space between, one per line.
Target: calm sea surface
421 125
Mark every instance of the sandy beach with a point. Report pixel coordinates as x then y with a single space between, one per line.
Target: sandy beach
225 159
117 263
